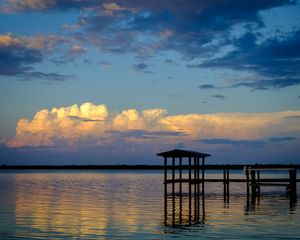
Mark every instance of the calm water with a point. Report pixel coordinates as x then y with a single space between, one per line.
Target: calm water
130 205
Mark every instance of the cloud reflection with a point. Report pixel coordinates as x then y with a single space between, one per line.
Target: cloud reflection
81 205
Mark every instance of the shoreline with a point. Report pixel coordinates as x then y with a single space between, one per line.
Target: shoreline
134 167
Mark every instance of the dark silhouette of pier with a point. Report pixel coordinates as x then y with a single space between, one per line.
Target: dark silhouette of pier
188 208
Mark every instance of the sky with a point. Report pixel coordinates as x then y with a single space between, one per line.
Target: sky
115 82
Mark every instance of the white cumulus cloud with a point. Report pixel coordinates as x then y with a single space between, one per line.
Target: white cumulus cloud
94 125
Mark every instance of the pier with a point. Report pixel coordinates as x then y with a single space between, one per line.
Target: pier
184 184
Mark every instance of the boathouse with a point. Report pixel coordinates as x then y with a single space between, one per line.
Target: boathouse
176 161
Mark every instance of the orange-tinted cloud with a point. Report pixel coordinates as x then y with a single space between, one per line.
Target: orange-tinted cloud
75 124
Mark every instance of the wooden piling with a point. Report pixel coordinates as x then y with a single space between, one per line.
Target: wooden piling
195 189
165 187
228 183
253 186
293 183
247 184
203 177
198 183
180 176
258 185
173 177
224 184
190 189
180 190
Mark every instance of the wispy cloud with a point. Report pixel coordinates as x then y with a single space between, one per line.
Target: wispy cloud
141 68
76 51
50 77
83 119
208 87
282 139
245 142
267 84
105 64
171 62
220 97
87 61
218 141
144 134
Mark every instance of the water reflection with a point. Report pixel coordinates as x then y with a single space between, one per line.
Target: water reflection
268 205
180 213
112 205
236 220
82 205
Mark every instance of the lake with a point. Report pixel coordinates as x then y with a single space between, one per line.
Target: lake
56 204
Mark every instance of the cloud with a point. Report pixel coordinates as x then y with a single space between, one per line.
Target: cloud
171 62
246 143
249 143
18 6
192 28
90 125
220 97
267 84
141 68
208 87
111 8
282 139
12 6
60 124
87 61
76 51
232 5
144 134
195 29
19 54
105 64
44 43
50 77
275 61
82 119
296 117
16 57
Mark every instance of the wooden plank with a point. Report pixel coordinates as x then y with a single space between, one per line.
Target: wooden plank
273 184
268 169
282 180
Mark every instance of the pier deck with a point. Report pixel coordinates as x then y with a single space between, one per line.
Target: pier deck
237 180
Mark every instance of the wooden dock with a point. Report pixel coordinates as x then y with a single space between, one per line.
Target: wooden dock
194 179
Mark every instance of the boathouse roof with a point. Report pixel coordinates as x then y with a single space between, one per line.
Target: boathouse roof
182 153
